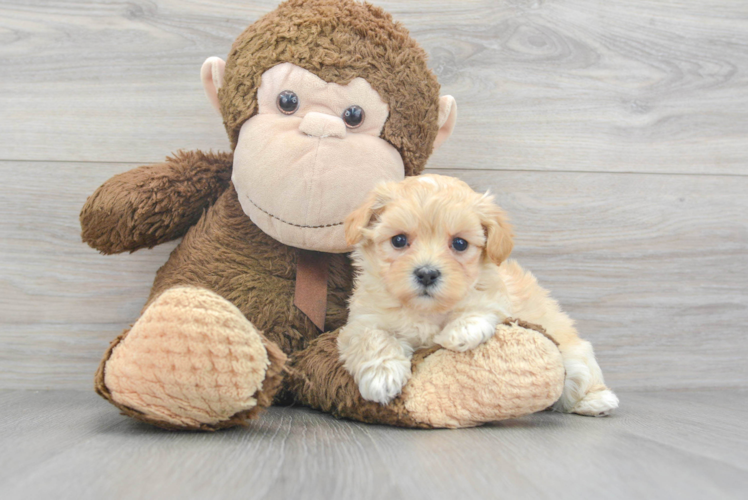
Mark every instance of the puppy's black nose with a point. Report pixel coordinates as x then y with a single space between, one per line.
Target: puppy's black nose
427 276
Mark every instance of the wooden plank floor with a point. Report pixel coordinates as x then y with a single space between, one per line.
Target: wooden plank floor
73 445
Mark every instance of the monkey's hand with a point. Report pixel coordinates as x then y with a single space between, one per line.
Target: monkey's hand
154 204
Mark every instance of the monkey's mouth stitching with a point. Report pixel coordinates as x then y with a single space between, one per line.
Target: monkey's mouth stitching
290 223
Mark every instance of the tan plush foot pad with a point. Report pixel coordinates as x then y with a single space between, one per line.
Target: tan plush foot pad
192 361
517 372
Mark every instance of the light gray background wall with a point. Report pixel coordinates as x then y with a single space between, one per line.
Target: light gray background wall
615 134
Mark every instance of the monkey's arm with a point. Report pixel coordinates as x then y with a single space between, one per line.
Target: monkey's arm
153 204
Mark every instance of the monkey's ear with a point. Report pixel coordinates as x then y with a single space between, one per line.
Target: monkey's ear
447 119
363 216
212 76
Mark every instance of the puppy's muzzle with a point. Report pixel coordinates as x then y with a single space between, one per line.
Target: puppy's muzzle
427 276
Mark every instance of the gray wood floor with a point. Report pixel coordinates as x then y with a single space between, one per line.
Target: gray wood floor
69 444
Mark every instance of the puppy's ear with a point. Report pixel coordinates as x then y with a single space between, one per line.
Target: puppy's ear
499 236
364 215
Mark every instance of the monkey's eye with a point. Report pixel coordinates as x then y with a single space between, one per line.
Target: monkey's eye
399 241
459 244
288 102
353 116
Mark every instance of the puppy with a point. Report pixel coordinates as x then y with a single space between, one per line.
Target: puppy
430 255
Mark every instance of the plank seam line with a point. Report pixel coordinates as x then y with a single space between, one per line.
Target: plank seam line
429 167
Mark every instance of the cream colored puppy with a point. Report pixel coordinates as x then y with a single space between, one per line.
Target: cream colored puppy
430 254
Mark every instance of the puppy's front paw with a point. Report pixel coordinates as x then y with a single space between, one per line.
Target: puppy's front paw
466 334
383 381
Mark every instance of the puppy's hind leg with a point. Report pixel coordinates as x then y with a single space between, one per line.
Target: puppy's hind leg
585 392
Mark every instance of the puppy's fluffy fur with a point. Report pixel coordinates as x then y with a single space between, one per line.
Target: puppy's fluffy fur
430 254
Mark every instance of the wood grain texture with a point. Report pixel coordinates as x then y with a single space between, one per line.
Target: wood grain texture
579 85
687 445
652 267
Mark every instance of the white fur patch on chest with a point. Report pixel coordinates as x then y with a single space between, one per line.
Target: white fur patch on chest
418 329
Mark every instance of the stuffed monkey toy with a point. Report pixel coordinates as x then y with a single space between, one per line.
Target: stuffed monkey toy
321 100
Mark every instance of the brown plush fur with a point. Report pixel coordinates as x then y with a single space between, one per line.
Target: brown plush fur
227 254
150 205
337 40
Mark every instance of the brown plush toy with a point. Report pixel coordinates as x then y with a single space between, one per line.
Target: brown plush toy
321 99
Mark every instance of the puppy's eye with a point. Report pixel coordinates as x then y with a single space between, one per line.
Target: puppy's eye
399 241
459 244
288 102
353 116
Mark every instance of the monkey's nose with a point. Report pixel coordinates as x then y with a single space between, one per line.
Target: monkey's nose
322 125
427 276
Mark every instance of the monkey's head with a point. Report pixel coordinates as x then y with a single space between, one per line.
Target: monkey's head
323 99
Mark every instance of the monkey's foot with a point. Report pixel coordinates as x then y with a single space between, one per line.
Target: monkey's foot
516 372
192 361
